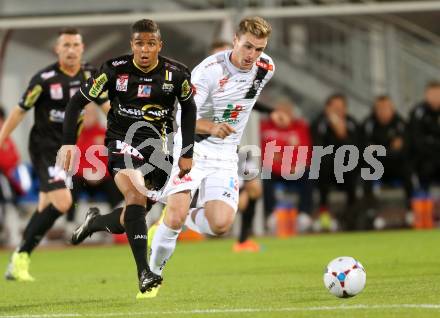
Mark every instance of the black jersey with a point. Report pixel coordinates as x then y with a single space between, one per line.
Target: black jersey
49 92
136 96
375 133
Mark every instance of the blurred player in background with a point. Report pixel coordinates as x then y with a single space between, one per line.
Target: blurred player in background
143 88
227 86
48 93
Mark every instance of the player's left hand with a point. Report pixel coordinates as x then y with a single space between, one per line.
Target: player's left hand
185 165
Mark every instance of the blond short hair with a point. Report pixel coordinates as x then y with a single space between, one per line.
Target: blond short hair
254 25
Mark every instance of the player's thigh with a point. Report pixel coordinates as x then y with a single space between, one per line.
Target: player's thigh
43 201
219 195
61 199
131 184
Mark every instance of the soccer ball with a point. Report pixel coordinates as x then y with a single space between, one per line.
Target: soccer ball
345 277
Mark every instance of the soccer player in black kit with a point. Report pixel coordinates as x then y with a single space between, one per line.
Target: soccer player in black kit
48 93
142 88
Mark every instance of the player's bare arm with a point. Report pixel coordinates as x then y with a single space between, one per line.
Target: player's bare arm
220 130
11 122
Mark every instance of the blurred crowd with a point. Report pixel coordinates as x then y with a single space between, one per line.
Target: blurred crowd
412 143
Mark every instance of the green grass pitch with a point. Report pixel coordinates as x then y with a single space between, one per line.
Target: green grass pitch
207 279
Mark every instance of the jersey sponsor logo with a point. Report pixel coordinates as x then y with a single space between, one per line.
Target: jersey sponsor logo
132 112
56 91
32 96
184 179
87 74
98 85
256 84
125 148
117 63
122 82
265 65
72 91
140 237
167 88
186 89
153 112
168 76
230 115
145 79
144 91
150 112
222 82
47 75
56 174
56 116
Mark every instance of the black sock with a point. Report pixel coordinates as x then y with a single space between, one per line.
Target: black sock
70 216
108 222
37 227
246 221
136 229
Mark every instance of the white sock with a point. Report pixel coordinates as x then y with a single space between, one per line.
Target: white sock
162 247
200 224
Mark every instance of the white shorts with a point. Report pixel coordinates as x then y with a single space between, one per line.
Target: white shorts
215 180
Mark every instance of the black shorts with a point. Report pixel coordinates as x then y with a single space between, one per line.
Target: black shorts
152 161
50 177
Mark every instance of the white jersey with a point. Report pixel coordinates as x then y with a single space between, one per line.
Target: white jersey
224 93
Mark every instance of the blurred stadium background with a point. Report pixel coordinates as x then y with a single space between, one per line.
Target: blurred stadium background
362 48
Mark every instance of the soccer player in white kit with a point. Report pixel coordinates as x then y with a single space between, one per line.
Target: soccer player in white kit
227 85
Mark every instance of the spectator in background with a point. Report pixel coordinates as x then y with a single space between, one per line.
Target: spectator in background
335 127
387 128
92 133
425 137
292 132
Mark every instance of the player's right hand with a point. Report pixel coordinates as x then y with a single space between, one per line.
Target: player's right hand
66 157
222 130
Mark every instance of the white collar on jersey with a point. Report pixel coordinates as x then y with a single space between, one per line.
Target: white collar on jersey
231 67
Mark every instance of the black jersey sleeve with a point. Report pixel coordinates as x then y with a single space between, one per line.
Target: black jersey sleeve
94 88
188 113
91 71
90 91
184 86
32 93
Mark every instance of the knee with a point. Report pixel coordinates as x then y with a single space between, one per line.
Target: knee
175 217
63 206
221 227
